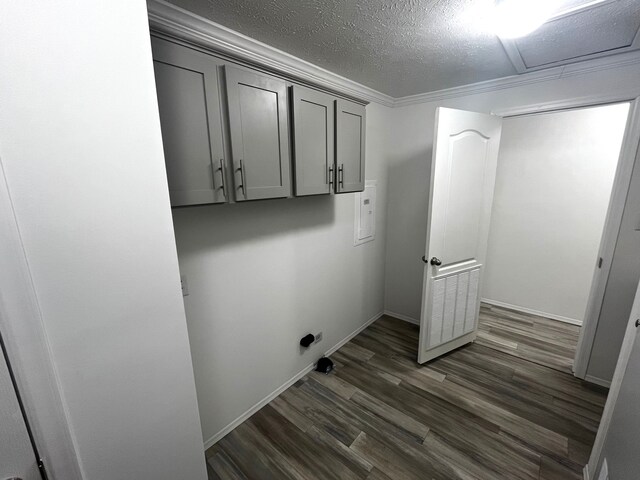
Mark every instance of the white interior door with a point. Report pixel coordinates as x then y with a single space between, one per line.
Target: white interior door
17 458
463 171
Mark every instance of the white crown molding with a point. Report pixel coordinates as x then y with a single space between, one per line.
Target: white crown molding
616 96
606 63
480 87
174 21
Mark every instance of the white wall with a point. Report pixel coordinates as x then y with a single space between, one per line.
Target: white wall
553 184
262 275
409 166
81 146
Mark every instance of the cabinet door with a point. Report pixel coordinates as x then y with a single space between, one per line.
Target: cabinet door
350 140
189 104
313 141
259 134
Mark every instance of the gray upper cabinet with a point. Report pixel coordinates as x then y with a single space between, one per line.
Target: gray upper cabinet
350 142
210 106
189 104
259 132
313 141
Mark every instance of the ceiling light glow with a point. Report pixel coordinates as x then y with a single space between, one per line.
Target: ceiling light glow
518 18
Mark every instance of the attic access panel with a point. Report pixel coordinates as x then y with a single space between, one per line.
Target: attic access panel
589 31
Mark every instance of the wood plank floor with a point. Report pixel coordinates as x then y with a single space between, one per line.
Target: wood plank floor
531 337
484 411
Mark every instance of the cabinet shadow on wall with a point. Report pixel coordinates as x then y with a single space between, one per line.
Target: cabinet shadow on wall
212 226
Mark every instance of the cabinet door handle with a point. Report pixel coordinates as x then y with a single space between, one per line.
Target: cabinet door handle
341 176
330 177
241 186
222 185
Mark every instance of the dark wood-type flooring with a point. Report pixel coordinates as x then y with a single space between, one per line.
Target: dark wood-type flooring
500 408
531 337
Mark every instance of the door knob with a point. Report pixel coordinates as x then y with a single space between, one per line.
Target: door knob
434 261
638 323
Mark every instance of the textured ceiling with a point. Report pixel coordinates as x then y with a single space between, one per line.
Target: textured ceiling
609 26
396 47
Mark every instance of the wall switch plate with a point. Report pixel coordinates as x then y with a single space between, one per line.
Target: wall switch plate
364 228
318 337
184 285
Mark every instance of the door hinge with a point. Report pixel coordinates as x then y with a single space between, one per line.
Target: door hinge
600 262
42 469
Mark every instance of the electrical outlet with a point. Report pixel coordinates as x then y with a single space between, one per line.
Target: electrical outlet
184 285
318 337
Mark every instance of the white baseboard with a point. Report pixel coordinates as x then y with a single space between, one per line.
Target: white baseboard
353 334
215 438
518 308
400 316
597 381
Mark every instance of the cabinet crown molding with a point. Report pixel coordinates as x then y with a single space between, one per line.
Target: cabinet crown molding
179 23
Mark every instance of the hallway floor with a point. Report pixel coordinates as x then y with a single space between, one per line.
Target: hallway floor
503 407
531 337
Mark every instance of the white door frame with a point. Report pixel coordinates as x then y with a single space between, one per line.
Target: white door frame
595 458
27 347
628 152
